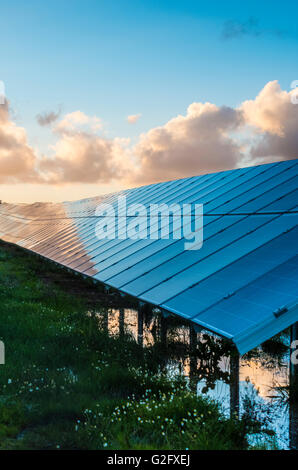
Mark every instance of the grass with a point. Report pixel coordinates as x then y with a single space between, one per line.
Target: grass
67 384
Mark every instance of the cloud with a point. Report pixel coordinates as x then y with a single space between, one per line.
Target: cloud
84 158
133 118
275 119
187 145
78 121
82 155
18 160
206 138
210 138
47 118
237 29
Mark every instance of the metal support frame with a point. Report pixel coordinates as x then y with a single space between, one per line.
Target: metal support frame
140 326
121 321
163 330
193 342
106 320
234 383
293 397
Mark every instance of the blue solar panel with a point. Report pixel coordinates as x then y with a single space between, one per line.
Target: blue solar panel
245 271
225 282
258 300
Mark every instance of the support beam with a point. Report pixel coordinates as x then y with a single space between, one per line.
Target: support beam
140 326
293 398
193 342
163 330
234 383
121 321
105 320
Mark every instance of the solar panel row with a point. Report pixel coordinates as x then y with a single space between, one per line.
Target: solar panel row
246 269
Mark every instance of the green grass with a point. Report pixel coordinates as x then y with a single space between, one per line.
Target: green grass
67 384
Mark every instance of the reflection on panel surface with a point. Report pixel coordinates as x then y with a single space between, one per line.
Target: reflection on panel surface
250 244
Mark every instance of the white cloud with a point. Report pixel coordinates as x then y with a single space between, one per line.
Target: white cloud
187 145
275 118
207 138
133 118
17 159
78 121
85 158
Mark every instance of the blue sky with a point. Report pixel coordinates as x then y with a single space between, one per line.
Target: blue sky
113 59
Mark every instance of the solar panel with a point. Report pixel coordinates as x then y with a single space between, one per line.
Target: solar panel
245 271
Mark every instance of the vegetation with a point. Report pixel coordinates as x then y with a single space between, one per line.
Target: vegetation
67 384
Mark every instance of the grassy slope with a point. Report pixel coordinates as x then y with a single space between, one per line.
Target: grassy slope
67 384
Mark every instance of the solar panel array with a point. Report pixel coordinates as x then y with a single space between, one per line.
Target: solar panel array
242 283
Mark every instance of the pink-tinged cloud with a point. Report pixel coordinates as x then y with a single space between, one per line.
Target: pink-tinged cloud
78 121
84 158
187 145
207 138
274 116
82 155
133 118
18 160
